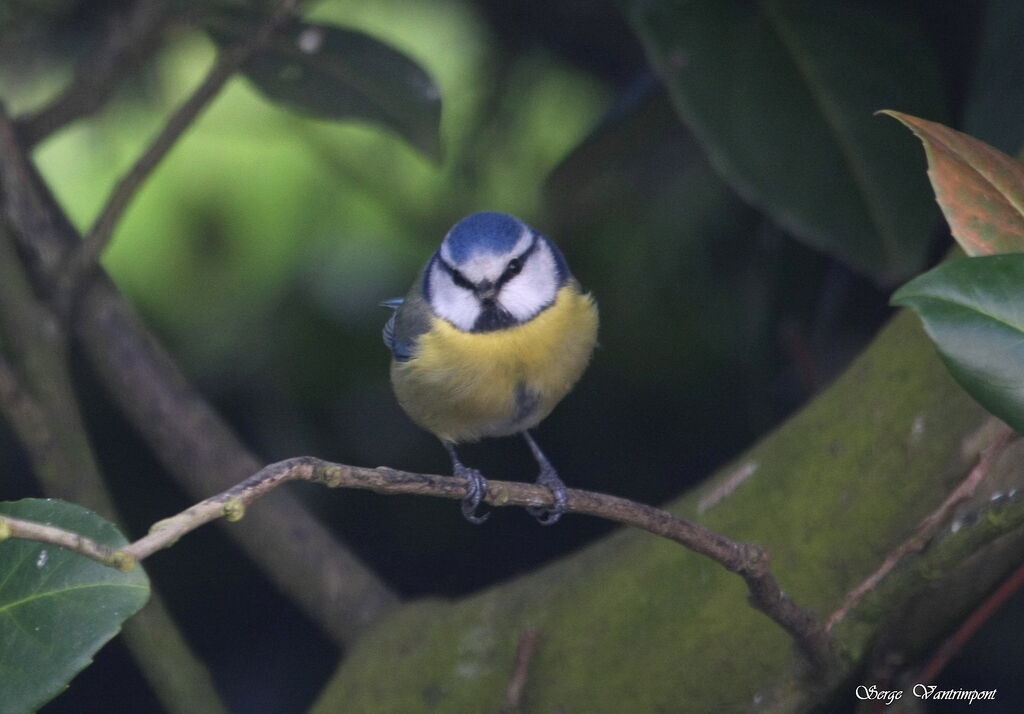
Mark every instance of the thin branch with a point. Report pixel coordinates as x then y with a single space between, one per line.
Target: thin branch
178 677
30 530
84 258
929 525
38 397
129 37
328 581
749 561
517 683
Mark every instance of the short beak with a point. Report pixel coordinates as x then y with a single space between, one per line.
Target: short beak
486 290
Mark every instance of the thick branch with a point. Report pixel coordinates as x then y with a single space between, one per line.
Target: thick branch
930 525
37 396
23 412
194 444
748 560
38 224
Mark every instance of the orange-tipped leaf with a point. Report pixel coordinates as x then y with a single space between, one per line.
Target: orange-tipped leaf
979 188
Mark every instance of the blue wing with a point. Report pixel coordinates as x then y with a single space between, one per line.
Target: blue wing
400 349
389 326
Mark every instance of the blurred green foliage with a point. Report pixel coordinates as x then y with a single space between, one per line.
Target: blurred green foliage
257 201
261 246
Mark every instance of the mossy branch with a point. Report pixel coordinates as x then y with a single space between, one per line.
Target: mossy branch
930 525
745 559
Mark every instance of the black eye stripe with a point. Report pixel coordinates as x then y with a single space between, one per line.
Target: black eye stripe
515 266
457 277
512 269
461 280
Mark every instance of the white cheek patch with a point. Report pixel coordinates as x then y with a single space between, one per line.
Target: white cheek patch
522 296
456 305
534 288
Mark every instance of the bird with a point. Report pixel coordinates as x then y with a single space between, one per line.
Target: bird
493 333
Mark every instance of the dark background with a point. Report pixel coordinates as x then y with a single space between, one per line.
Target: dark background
262 247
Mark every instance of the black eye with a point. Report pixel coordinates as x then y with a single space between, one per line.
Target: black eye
513 268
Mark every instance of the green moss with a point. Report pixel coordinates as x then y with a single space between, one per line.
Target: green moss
640 624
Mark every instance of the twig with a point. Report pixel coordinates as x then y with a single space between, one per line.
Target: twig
128 38
749 561
84 258
38 397
303 557
928 526
30 530
517 683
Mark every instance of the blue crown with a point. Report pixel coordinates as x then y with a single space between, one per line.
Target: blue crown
486 232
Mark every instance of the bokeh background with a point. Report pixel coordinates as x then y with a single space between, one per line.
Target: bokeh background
261 246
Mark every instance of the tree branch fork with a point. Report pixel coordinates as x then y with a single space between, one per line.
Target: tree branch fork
71 271
747 560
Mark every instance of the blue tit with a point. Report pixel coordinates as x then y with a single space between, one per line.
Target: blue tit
494 332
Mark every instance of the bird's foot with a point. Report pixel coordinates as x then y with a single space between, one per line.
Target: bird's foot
476 489
548 478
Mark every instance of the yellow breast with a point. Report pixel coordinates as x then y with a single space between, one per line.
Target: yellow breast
462 386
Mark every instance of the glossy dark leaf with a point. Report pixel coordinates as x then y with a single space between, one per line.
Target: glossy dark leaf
980 189
670 244
334 73
57 608
630 160
782 94
973 309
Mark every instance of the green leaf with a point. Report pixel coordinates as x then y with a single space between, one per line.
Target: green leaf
973 310
980 189
334 73
641 180
57 608
628 162
782 95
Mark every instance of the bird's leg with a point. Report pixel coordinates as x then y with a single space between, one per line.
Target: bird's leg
548 478
476 486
